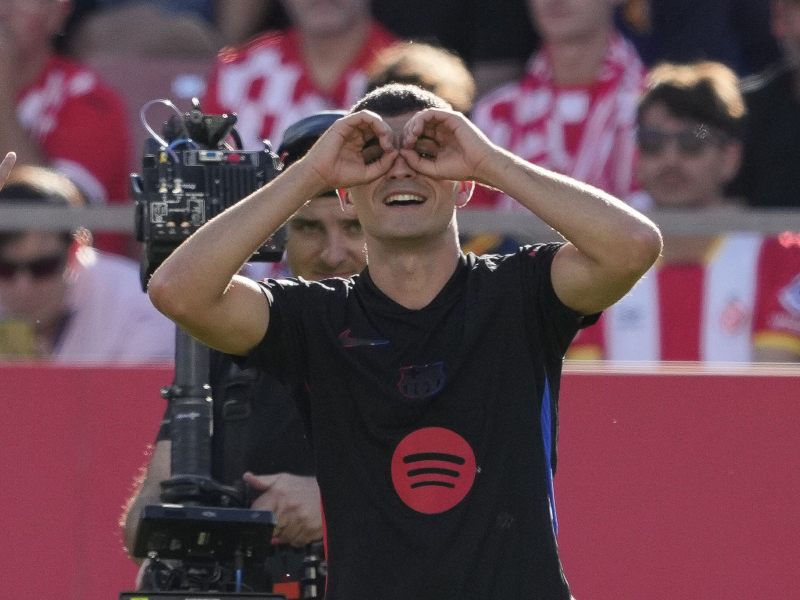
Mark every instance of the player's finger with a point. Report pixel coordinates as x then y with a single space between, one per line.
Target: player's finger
6 166
260 482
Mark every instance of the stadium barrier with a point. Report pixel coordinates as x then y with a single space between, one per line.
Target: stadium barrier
673 481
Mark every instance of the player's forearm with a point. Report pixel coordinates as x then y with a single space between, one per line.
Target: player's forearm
600 226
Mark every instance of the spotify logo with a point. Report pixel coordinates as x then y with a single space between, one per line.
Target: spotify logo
433 469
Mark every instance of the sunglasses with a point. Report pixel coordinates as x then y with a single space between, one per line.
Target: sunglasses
40 268
691 141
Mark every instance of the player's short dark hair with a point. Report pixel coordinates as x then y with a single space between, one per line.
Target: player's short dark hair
398 99
706 92
37 186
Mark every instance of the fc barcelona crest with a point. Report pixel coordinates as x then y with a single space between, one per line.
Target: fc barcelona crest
421 381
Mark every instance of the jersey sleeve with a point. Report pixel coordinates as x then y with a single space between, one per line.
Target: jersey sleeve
282 347
588 343
776 315
548 318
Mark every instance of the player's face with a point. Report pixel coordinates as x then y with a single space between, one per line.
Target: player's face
324 242
325 17
682 164
570 20
786 25
402 204
29 25
32 281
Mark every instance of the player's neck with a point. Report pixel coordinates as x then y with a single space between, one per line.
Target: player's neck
412 274
578 61
328 56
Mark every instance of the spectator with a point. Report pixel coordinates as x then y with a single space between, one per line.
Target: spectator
574 110
430 67
281 77
322 242
734 32
56 112
494 38
65 300
163 28
769 176
733 298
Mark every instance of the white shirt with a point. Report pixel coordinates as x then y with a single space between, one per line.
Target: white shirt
111 318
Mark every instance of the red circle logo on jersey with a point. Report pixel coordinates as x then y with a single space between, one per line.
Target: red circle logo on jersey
433 469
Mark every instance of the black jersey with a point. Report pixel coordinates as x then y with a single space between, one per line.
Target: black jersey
433 429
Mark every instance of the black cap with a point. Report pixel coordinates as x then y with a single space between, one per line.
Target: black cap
300 136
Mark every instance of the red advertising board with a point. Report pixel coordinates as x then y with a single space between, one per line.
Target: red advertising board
671 483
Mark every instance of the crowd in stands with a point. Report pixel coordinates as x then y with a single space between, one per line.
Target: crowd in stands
665 104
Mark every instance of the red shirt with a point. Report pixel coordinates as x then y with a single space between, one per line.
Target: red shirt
81 127
266 83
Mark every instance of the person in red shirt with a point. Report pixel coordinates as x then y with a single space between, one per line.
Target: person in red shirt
574 109
730 298
56 112
317 64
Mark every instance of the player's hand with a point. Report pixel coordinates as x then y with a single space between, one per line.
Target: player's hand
345 155
295 502
443 144
6 166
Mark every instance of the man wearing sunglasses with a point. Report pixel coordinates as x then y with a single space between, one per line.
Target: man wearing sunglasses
63 300
729 298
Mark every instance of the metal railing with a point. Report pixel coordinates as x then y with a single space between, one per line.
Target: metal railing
523 226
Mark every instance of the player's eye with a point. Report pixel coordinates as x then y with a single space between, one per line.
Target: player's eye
371 153
427 149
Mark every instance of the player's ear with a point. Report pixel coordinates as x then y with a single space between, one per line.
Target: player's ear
465 190
346 202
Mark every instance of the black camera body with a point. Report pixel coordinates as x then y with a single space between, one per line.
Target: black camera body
188 177
190 174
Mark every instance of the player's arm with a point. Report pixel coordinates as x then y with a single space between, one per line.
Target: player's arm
147 492
197 286
610 245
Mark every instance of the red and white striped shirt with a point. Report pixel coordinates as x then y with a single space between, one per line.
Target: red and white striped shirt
745 296
267 84
586 132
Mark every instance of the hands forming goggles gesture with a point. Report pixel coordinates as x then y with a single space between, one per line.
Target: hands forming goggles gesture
435 143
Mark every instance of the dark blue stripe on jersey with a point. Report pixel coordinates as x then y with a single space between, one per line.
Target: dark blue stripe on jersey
547 437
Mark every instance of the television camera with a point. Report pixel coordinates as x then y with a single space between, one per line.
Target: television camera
202 538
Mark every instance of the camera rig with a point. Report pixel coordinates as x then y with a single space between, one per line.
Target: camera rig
190 175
